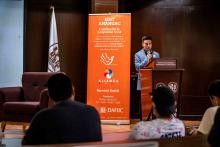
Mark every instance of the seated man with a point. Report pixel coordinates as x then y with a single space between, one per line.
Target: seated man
165 125
67 121
208 117
214 134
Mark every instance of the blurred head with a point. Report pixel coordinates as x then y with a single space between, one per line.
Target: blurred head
60 87
163 101
147 42
214 92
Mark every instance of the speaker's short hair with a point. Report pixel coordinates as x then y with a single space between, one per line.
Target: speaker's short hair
146 37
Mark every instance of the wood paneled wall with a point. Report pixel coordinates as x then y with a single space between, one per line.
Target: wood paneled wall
71 18
187 30
104 6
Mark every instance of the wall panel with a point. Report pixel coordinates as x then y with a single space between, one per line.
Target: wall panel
71 17
187 30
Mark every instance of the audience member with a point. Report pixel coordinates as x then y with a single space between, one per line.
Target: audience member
67 121
214 134
209 115
165 125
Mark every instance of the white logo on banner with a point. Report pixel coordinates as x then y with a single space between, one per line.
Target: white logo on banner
106 59
102 110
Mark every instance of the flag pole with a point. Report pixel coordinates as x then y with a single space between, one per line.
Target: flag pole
53 54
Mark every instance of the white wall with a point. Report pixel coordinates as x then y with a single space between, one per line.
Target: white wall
11 42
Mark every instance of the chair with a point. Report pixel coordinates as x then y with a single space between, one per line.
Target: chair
19 104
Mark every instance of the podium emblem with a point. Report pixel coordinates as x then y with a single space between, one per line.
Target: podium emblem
173 86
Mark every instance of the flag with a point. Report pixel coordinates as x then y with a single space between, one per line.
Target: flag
53 55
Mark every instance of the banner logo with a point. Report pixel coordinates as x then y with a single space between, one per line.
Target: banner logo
108 73
106 59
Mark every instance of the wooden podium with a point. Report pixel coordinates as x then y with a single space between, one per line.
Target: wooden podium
159 72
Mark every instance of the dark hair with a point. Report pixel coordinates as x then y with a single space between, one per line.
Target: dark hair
214 89
146 37
164 99
60 87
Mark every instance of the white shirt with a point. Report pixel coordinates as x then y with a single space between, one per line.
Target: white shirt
207 120
158 128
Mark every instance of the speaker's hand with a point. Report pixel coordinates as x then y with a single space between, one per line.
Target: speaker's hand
149 56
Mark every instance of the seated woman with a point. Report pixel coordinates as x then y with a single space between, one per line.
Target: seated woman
165 125
209 115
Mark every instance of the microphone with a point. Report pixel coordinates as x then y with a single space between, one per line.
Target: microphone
149 51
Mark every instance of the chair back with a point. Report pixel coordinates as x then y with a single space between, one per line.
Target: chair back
33 83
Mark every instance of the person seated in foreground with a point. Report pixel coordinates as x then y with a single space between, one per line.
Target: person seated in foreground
165 125
67 121
209 115
214 134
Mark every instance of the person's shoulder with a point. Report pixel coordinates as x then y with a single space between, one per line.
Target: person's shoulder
43 111
144 124
218 112
156 53
70 103
77 103
40 115
66 105
89 113
85 107
178 121
141 51
89 108
212 110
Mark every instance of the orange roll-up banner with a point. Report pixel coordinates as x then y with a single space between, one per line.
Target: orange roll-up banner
108 81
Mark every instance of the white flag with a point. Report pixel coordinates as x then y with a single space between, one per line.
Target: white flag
53 57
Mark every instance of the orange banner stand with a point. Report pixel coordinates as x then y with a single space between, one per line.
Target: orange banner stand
108 78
